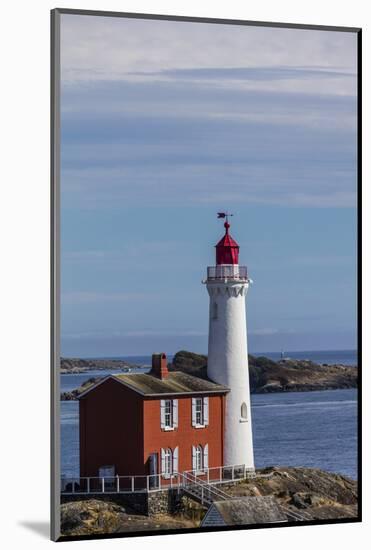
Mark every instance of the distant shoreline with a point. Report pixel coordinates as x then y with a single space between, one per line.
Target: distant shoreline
266 375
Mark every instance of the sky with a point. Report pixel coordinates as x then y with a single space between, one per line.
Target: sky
165 123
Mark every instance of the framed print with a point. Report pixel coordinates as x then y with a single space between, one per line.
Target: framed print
206 349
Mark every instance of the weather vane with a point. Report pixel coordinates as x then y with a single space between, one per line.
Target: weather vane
224 215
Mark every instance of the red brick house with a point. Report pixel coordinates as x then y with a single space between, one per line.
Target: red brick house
159 422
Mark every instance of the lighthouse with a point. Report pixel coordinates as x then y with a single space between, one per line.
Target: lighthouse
227 284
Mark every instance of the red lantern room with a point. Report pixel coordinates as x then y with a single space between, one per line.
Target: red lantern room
227 249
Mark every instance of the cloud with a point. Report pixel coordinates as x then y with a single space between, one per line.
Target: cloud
250 73
137 142
102 48
161 112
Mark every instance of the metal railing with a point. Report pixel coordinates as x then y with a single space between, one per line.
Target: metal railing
233 272
294 515
149 483
118 484
223 474
202 491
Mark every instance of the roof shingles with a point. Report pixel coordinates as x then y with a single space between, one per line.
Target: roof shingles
174 383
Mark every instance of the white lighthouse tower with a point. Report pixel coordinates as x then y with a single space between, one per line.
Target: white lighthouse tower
227 284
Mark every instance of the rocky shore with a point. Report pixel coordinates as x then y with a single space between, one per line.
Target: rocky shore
77 366
315 493
266 376
74 394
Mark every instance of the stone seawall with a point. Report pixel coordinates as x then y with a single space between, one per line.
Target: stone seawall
165 501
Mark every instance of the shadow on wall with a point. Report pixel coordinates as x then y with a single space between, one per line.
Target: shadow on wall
41 528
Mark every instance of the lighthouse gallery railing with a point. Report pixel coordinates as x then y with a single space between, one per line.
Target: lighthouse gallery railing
234 272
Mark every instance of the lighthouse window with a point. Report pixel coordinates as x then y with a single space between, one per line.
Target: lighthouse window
215 310
244 411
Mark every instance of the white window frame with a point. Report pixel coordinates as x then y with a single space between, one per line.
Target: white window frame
200 459
169 462
200 412
169 414
166 462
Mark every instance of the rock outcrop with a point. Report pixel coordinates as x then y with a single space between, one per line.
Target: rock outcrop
308 492
267 376
96 517
74 394
323 495
76 366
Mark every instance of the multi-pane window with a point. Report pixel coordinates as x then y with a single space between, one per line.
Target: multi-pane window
168 462
198 458
168 413
199 412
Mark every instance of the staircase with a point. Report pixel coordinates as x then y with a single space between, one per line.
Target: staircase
201 491
293 515
206 494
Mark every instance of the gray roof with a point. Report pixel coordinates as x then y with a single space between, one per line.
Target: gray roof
243 511
175 383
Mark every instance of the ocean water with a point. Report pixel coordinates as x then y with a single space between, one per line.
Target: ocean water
314 429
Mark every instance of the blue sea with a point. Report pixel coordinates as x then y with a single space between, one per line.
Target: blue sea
313 429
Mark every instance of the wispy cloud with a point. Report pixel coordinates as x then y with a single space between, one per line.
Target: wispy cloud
95 48
275 149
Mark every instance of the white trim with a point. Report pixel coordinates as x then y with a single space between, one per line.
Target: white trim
205 412
162 414
162 461
194 407
194 412
175 461
163 424
205 461
199 452
193 457
175 413
165 474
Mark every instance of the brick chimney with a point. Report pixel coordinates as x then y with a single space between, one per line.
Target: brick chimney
159 365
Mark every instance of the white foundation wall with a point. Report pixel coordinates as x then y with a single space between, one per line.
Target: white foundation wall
228 365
